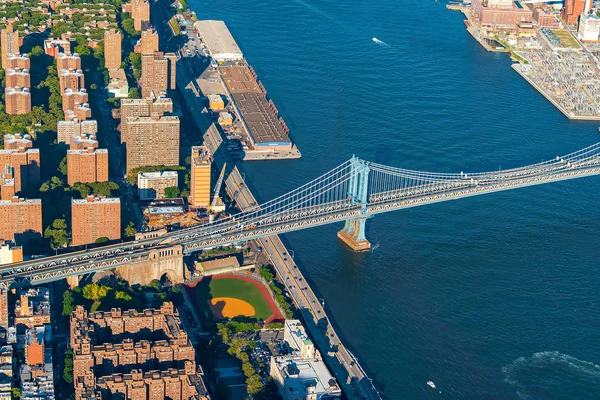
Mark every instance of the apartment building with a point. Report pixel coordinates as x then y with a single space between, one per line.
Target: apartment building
152 141
21 219
86 165
93 218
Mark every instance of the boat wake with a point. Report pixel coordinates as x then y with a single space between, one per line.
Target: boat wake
550 373
380 42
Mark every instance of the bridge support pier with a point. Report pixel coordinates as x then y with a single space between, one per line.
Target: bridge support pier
353 235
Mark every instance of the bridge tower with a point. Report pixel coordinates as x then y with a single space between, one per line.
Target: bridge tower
353 234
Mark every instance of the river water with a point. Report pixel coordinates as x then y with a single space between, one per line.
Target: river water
491 297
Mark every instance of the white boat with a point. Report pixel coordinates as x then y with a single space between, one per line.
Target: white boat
431 384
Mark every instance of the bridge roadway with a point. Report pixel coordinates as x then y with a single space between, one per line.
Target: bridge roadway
255 225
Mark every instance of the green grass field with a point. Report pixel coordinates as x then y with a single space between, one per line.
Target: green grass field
236 288
566 40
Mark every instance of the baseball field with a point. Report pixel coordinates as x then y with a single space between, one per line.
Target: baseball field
230 296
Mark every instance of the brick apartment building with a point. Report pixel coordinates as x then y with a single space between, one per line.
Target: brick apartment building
80 112
158 73
71 79
572 9
9 43
140 355
26 164
21 219
152 141
7 183
18 100
18 77
112 49
149 42
152 185
18 61
72 97
140 12
142 108
87 165
93 218
68 61
13 142
67 129
80 142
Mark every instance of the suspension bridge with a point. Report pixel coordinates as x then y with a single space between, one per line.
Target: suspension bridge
352 193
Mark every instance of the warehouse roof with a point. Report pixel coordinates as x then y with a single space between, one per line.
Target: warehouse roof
218 39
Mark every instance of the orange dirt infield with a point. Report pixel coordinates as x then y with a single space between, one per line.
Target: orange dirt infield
228 307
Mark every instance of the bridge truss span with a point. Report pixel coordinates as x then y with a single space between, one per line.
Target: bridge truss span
352 192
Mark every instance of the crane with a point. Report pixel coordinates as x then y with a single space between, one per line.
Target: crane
216 197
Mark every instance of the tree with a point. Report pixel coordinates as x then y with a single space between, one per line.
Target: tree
102 239
57 233
36 51
266 274
128 27
171 192
248 369
254 384
122 295
130 229
68 304
155 284
134 93
16 392
45 187
95 292
68 369
62 167
82 188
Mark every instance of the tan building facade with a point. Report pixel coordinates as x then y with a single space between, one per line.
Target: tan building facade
26 164
13 142
18 100
71 98
93 218
9 43
140 12
68 61
200 176
7 183
71 79
112 49
142 108
18 61
67 129
21 219
87 165
152 185
18 77
158 73
149 41
152 141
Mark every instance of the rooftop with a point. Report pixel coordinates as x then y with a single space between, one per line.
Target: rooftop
92 199
303 377
218 39
157 175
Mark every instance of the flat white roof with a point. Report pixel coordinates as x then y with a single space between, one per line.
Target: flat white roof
219 40
157 175
301 374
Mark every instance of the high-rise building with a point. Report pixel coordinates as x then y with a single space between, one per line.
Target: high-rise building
140 12
26 164
152 185
18 61
10 253
71 79
95 217
112 49
80 111
21 219
18 77
158 73
68 61
7 183
142 108
149 41
67 129
82 142
17 100
13 142
54 47
9 43
589 27
71 97
572 9
152 141
87 165
200 177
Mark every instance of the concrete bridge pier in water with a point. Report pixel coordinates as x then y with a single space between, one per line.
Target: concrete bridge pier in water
353 235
